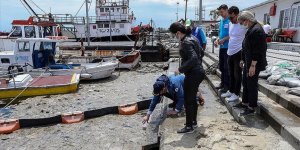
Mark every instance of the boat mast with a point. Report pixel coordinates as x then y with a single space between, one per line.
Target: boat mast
87 22
32 10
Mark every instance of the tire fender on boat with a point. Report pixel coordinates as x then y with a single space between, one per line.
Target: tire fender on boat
9 126
128 109
75 117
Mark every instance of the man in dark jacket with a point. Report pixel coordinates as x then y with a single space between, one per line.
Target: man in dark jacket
191 54
253 60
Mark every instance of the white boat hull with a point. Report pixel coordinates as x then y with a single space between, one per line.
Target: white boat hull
91 71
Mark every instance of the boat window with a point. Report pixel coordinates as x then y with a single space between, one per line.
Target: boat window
29 32
124 10
106 25
118 9
37 46
17 31
100 25
112 10
121 25
106 9
24 46
101 9
47 46
40 32
112 25
5 61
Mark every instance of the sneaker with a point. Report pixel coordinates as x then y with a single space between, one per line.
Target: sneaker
247 112
186 130
227 94
232 98
240 105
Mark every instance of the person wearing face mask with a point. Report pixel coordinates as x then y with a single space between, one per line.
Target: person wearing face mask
236 37
222 41
253 60
191 65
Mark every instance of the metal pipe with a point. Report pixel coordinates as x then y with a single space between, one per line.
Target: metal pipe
177 11
32 10
185 10
110 38
87 23
200 12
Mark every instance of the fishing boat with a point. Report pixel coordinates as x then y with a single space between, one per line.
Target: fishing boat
25 85
127 59
35 55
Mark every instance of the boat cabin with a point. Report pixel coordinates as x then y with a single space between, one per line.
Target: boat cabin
32 28
30 53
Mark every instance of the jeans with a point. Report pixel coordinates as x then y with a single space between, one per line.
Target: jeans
223 66
235 73
191 84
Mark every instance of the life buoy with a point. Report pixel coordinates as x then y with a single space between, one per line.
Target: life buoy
75 117
9 126
129 109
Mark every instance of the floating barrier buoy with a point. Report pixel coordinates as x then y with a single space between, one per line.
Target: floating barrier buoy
75 117
129 109
9 126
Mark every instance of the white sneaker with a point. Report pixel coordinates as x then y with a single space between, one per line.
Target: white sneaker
232 98
227 94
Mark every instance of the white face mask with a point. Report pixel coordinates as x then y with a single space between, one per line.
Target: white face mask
244 26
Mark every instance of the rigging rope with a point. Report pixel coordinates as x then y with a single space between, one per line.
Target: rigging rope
79 9
38 6
26 8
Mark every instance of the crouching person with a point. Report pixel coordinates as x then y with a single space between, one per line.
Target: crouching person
171 87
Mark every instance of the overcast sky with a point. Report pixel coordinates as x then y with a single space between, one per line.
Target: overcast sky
163 12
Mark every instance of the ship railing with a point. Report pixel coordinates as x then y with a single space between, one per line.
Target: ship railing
61 18
113 3
94 19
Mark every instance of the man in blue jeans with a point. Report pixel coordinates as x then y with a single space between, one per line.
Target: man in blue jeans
171 87
223 43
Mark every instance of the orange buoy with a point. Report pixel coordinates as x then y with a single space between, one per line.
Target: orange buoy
9 126
129 109
75 117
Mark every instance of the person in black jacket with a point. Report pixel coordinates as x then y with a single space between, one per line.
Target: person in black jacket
253 60
191 54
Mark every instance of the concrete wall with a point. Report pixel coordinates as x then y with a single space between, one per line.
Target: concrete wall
274 20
